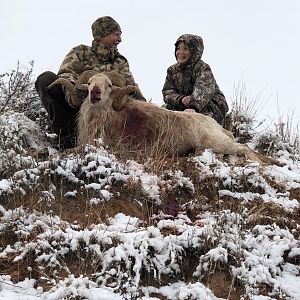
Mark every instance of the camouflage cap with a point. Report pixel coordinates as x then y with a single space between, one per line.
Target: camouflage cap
104 26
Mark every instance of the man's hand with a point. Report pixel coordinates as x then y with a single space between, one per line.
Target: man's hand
186 100
190 110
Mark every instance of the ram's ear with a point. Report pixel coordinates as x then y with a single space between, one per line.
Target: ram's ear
120 96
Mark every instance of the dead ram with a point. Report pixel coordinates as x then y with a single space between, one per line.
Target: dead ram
141 126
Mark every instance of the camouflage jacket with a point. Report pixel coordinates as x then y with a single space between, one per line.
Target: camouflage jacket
98 58
194 78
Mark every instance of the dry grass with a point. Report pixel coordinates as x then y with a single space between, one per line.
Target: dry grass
288 131
246 105
243 115
81 212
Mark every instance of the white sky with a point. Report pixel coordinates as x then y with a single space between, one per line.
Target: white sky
256 42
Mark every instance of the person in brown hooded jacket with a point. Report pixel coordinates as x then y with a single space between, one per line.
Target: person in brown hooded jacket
102 56
190 84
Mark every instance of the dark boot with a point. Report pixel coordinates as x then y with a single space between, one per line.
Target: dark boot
62 117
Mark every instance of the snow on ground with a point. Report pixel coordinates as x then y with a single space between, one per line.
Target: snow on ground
268 253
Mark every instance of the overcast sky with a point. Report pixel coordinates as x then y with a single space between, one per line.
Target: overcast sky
255 42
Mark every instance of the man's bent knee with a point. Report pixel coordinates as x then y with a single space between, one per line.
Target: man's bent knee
44 79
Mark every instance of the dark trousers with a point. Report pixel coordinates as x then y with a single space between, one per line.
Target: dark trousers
62 117
213 110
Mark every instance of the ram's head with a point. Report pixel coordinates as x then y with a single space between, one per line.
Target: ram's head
98 86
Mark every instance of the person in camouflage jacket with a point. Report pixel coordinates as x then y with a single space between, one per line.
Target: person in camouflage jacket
101 56
190 84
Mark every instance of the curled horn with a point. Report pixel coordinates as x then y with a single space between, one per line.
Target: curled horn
84 78
69 86
120 96
116 79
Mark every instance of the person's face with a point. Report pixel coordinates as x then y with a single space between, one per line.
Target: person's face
112 39
182 53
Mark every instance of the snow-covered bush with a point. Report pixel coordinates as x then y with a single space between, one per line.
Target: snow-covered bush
17 92
22 120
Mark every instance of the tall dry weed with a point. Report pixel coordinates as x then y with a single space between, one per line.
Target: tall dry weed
288 130
245 109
